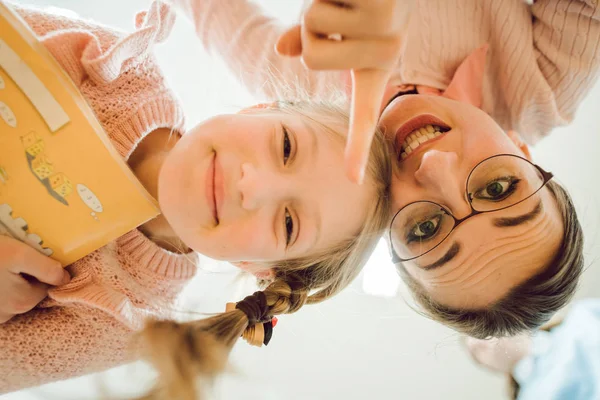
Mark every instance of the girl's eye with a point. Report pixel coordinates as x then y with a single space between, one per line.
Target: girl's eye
287 146
424 230
289 227
498 190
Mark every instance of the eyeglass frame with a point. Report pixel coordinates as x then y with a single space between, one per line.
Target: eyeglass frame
396 258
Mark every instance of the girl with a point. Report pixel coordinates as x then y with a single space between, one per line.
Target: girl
252 188
528 67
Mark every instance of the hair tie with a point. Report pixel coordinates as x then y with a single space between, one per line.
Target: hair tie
260 325
255 307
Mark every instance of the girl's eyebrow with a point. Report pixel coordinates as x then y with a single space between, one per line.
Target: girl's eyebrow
309 215
313 148
316 217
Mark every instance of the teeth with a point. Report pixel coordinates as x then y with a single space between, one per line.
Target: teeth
418 137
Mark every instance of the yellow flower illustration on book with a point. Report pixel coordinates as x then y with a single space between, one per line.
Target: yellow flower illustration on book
33 144
41 166
57 184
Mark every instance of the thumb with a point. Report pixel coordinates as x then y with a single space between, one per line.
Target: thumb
43 268
290 42
368 87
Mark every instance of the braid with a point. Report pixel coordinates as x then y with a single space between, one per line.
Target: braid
184 351
285 297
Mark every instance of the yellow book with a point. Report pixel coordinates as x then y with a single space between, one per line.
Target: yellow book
64 189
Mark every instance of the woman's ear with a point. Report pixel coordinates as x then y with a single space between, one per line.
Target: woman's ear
467 82
520 143
259 270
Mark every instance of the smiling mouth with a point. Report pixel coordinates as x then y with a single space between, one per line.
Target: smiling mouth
214 189
211 188
418 132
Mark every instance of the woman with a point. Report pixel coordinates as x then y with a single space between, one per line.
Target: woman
539 69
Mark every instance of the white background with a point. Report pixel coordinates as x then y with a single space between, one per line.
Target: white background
358 345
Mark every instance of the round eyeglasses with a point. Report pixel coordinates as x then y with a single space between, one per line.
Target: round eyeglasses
496 183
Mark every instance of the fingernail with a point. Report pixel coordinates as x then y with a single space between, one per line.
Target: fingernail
361 176
66 277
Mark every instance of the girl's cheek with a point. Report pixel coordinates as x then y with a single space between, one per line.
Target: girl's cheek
255 242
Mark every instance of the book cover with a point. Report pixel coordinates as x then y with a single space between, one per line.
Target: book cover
64 189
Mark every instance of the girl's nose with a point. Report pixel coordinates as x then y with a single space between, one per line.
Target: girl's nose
259 186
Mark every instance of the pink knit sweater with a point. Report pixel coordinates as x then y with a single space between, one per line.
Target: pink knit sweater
542 59
86 325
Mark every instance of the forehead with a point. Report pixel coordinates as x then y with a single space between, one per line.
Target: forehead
493 260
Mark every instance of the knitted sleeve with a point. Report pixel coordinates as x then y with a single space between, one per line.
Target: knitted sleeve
50 344
241 33
566 35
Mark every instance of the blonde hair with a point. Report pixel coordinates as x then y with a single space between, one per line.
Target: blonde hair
186 354
529 305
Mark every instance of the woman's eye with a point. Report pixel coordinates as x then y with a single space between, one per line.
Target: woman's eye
287 146
289 227
424 230
498 190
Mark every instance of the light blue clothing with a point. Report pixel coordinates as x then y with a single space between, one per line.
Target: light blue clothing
565 363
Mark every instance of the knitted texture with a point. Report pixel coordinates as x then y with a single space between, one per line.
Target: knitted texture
542 59
87 325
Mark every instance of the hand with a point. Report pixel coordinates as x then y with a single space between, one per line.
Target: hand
363 36
25 275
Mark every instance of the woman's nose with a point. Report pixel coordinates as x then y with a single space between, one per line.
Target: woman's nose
440 173
259 186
